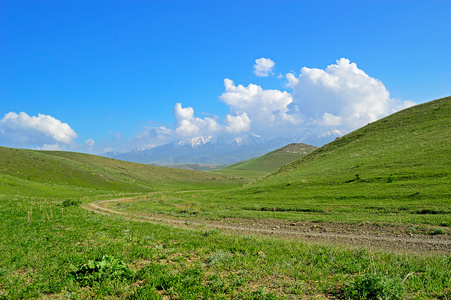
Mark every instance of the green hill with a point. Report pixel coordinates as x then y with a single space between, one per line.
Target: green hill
58 173
394 170
270 162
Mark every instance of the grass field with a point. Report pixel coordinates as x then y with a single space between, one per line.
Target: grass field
396 170
50 251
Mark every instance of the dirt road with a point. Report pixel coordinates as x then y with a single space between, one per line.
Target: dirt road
393 237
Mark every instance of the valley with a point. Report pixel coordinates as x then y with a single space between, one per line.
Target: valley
372 206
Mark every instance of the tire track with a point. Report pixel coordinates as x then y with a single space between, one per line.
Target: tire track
419 244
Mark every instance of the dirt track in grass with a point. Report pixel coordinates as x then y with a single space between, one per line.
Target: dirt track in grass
391 237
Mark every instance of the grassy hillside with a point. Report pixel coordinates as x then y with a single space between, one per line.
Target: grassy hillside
267 163
394 170
411 146
400 163
54 173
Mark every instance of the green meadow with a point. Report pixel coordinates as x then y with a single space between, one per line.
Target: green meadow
393 171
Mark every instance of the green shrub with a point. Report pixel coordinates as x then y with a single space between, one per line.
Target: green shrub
102 269
374 286
71 202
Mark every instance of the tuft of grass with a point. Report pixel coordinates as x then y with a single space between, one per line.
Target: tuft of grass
436 231
374 287
429 211
71 202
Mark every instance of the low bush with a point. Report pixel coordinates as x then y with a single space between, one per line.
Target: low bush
374 286
101 269
71 202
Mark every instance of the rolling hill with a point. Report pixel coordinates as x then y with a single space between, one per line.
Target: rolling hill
402 160
53 173
269 162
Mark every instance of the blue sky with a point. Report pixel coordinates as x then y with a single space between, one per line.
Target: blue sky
94 76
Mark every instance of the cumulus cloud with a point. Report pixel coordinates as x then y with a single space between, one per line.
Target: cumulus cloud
265 108
329 120
42 131
263 67
238 123
188 126
341 95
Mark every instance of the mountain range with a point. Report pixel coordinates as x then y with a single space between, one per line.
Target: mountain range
220 150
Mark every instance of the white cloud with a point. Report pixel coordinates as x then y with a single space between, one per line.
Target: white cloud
342 94
188 126
329 120
90 142
36 131
238 123
263 67
265 108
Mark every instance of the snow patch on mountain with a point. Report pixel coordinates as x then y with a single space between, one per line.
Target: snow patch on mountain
333 133
143 148
196 141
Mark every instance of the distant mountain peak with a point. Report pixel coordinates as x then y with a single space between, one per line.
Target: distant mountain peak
239 141
196 141
224 149
333 132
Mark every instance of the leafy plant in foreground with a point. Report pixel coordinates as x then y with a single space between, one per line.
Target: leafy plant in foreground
374 286
101 269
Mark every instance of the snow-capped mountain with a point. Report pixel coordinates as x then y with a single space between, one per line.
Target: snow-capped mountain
220 150
196 141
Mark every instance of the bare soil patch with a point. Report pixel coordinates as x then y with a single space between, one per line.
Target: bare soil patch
389 237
